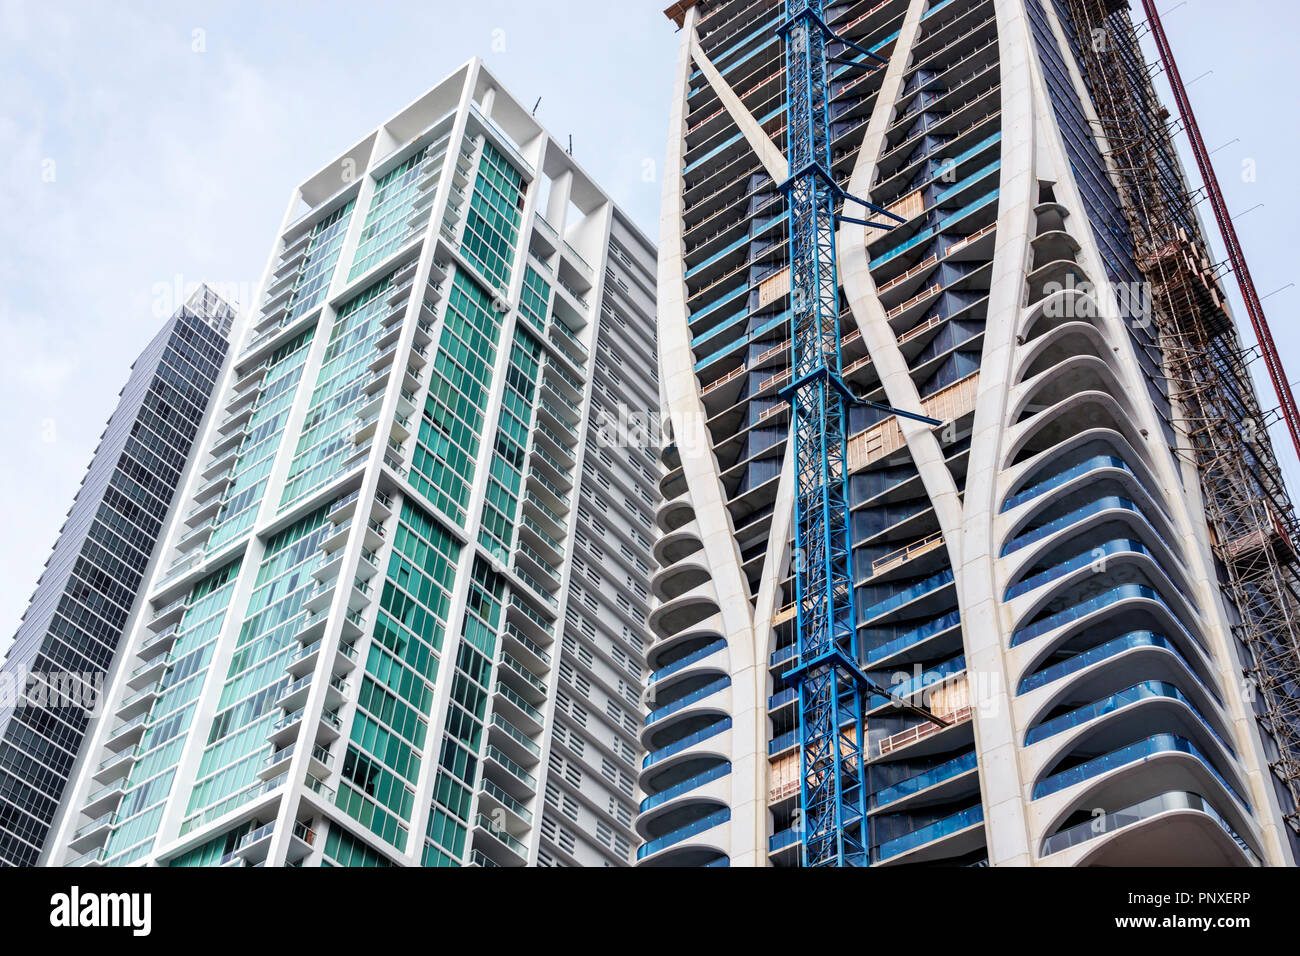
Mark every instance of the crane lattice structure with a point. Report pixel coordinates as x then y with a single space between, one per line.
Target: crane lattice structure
831 685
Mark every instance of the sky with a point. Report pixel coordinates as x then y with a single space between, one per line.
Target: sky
145 146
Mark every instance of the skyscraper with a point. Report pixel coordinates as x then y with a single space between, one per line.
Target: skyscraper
404 618
66 644
1036 572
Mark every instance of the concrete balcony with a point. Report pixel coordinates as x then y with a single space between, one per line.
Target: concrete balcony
105 798
954 835
497 843
92 834
128 733
159 643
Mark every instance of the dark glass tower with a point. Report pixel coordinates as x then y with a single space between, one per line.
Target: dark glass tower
67 639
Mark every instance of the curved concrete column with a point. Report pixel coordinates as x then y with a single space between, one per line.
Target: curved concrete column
1006 826
685 410
1178 477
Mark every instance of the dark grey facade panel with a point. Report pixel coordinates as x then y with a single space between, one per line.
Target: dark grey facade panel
68 637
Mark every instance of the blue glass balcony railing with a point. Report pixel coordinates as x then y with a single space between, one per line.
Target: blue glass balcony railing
779 743
720 57
967 153
712 687
757 229
933 675
1091 656
729 248
690 740
781 656
753 336
717 818
692 658
970 180
729 141
782 697
1123 592
1118 645
1161 803
914 636
838 71
935 8
732 330
701 312
902 247
782 839
1069 474
920 589
1074 517
1132 753
791 738
965 211
734 324
1088 557
923 781
1099 708
941 828
686 786
942 195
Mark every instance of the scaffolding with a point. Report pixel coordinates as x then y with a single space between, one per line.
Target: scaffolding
1221 429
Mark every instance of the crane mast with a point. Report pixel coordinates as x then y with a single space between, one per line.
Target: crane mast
832 687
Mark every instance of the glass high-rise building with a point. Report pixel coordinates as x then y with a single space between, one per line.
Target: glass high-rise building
57 666
402 620
1038 570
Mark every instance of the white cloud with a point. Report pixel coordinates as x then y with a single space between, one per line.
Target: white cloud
152 148
170 162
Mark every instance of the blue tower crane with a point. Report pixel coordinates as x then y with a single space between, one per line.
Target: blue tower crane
832 686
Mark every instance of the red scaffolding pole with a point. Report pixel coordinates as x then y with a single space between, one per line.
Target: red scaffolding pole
1236 258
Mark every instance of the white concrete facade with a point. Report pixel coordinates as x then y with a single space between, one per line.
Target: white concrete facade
1036 569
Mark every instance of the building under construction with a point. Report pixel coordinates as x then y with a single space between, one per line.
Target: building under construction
973 546
1225 432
